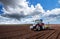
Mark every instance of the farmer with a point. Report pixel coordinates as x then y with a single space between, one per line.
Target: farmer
40 24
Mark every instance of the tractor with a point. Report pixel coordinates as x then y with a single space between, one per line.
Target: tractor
39 27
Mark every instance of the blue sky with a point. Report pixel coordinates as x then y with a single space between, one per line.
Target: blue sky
1 7
45 4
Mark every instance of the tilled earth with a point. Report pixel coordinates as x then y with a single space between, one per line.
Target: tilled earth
23 32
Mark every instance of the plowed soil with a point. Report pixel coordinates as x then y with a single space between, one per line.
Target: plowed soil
23 32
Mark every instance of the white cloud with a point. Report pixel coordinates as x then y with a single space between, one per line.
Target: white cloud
39 8
52 15
55 11
19 9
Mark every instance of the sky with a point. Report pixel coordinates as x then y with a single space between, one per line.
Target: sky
46 4
27 11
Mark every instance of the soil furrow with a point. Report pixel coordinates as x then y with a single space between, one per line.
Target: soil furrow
29 35
23 32
53 36
39 34
58 36
45 35
14 34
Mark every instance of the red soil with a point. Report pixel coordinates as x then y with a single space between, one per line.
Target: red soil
23 32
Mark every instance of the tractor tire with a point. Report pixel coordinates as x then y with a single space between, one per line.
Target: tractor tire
38 28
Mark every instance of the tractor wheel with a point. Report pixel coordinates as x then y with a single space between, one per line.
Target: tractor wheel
37 28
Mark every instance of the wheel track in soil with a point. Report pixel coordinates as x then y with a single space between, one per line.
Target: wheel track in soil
28 34
9 31
54 35
40 34
19 36
58 36
6 29
46 35
15 33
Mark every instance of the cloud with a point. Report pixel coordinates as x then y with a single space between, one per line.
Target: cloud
14 3
17 9
52 15
20 7
54 12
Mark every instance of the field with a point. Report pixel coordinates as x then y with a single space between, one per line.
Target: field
23 32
